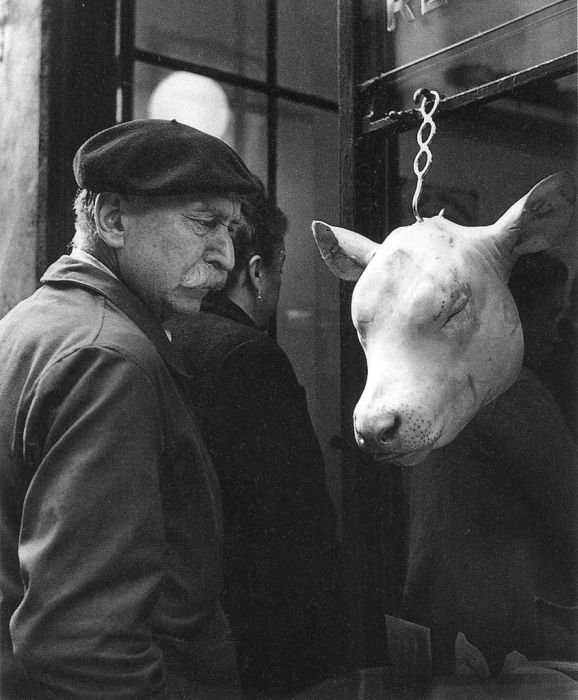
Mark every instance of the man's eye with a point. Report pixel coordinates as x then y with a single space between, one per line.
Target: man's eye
207 225
210 224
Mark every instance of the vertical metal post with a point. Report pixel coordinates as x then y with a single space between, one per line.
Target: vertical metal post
272 105
125 57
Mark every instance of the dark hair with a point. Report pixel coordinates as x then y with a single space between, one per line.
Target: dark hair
262 233
533 277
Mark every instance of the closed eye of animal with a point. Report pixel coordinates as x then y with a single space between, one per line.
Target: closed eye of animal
456 309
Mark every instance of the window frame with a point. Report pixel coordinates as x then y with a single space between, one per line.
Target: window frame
128 54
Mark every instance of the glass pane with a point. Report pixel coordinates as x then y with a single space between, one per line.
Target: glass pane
308 318
307 40
485 162
230 36
235 115
452 46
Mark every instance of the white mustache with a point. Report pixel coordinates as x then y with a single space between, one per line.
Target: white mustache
205 275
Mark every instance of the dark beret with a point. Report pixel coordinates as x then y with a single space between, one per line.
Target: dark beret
159 157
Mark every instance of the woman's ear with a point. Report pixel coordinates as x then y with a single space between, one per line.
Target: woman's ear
107 213
255 272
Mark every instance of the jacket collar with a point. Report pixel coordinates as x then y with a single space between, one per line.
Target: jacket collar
68 271
217 303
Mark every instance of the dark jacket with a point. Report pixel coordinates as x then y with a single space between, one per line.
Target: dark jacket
282 572
493 527
111 560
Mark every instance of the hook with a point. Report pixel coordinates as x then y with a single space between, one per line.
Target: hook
429 99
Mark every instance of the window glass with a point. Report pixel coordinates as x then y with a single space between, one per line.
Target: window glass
453 46
307 41
230 36
235 115
485 161
308 317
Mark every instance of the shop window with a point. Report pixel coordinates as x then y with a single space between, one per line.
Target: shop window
454 46
262 76
506 73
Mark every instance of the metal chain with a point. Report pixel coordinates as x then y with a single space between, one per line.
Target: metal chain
430 100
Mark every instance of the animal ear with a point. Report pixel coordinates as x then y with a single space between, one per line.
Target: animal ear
539 219
345 253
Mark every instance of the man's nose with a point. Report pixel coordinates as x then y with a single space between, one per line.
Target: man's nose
220 250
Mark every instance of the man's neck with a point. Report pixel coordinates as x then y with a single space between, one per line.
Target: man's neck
80 254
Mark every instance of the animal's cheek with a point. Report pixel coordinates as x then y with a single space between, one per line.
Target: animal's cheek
462 331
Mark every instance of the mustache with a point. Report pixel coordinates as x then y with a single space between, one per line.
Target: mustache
205 275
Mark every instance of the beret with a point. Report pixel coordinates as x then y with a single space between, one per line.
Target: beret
159 157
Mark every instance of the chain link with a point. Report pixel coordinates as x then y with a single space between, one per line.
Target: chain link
430 100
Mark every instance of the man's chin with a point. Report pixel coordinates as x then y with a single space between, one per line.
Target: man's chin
187 300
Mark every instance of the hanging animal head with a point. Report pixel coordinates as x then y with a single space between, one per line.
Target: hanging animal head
436 319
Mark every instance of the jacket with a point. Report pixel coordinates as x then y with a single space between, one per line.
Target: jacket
111 531
282 590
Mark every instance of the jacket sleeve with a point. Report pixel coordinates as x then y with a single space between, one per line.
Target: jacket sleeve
91 545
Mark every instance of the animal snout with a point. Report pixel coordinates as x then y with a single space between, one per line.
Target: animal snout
376 433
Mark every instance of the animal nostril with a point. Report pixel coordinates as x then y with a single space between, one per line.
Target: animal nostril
389 433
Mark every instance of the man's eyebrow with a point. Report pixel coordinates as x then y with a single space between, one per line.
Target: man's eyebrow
211 214
216 212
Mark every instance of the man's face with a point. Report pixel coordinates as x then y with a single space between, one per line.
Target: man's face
177 248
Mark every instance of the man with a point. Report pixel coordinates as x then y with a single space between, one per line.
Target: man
282 590
110 514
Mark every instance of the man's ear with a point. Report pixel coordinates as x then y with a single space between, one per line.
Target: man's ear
107 212
345 253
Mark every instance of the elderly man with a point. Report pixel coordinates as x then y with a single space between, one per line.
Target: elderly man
110 513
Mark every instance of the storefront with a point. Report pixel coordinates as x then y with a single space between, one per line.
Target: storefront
318 98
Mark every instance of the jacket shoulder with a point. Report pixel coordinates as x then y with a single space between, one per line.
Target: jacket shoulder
55 322
203 341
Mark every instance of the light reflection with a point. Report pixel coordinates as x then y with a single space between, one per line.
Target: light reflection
191 99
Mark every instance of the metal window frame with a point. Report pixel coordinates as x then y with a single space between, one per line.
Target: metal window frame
397 122
128 54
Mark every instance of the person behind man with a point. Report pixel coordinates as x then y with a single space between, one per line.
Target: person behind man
282 562
111 561
492 515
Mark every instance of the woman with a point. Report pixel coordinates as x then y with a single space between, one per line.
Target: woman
282 572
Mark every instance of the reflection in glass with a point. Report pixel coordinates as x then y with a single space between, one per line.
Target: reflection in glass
308 316
461 45
230 36
236 115
307 40
484 160
191 99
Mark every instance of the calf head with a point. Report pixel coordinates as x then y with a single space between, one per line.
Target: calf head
436 319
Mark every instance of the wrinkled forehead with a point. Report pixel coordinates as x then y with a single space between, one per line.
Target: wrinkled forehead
225 206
